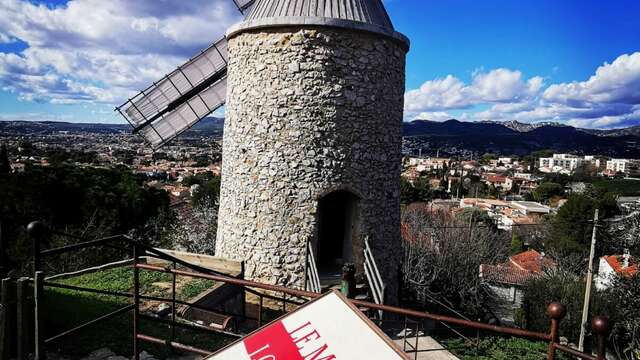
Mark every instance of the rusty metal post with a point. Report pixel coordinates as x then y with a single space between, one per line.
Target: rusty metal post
600 326
477 340
260 312
37 232
136 301
415 348
404 335
3 319
244 294
173 305
8 299
284 303
38 330
556 312
348 283
22 321
4 267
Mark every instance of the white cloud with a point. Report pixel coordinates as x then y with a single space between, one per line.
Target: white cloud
503 85
609 98
434 116
615 83
496 86
5 39
447 93
103 51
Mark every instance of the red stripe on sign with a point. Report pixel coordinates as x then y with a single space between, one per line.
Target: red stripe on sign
272 343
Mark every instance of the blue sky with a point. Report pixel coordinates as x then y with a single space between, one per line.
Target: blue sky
570 61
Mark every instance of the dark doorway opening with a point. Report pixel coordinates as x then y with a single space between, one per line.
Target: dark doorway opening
337 227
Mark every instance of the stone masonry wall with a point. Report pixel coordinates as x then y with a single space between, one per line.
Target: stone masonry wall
309 111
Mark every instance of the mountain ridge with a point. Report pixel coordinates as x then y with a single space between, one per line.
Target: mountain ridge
495 137
477 137
218 123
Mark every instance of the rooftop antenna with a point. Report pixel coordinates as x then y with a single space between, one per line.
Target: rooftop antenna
183 97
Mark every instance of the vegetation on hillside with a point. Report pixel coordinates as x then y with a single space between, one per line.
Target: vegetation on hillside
622 187
86 201
498 348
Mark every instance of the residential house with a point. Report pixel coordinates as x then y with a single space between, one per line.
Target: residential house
508 279
501 182
615 265
628 167
530 208
565 163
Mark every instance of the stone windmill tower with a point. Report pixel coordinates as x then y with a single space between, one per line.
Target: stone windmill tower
312 139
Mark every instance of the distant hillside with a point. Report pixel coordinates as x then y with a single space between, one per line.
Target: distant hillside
481 137
496 137
522 127
208 126
455 128
49 127
630 131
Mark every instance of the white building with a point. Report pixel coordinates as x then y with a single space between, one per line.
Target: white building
428 164
615 265
565 163
625 166
530 208
525 176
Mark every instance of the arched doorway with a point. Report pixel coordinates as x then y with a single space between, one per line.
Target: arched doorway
337 229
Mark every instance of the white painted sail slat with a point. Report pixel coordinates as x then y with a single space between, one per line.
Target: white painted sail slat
148 104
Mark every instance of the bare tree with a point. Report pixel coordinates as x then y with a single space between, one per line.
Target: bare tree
623 234
195 229
442 257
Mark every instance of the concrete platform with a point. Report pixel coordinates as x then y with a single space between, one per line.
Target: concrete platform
428 348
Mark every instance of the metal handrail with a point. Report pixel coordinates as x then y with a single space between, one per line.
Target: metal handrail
555 311
313 278
38 232
373 276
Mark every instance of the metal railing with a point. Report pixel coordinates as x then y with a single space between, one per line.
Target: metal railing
290 299
312 281
376 285
139 252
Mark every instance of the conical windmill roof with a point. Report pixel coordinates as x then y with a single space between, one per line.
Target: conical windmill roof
364 15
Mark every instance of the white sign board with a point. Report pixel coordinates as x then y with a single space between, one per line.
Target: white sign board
328 328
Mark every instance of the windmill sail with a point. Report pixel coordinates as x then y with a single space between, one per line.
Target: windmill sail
243 5
182 98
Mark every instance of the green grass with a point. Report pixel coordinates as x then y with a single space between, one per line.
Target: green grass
121 280
194 288
65 309
623 187
497 348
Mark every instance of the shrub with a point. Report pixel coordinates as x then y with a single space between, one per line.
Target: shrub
498 348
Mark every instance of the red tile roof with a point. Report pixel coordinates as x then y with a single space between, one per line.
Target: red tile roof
617 264
531 261
496 179
520 268
505 274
